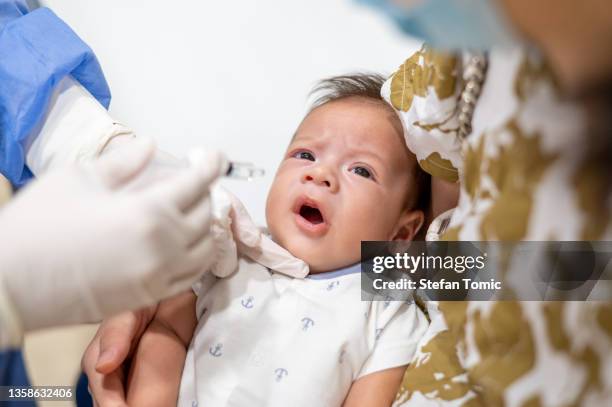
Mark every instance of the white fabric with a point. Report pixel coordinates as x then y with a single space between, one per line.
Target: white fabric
430 110
430 120
235 232
77 246
266 339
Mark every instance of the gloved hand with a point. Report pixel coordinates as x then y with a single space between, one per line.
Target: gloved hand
78 245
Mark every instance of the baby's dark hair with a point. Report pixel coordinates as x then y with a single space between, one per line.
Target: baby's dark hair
364 85
368 86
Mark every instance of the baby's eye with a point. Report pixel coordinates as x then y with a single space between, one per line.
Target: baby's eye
362 171
304 155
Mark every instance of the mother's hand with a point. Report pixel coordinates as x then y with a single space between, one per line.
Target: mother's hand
106 359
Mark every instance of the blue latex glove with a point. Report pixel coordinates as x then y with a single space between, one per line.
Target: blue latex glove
37 50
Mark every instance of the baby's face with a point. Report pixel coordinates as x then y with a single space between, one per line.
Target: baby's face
345 178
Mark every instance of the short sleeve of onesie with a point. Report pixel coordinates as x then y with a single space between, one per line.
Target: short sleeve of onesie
394 330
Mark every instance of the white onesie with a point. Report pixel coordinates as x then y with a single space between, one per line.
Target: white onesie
267 339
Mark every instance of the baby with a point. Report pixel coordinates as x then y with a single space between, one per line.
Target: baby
261 338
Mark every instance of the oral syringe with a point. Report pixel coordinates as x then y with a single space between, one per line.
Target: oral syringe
244 170
235 169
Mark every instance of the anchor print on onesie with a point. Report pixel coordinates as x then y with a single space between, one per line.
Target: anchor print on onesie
216 350
280 374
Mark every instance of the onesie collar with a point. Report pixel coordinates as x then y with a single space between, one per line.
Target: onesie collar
352 269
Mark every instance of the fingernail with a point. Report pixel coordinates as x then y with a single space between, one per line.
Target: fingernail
106 357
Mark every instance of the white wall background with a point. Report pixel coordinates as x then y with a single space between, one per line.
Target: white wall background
233 75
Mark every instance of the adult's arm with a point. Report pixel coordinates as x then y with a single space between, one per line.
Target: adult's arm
37 51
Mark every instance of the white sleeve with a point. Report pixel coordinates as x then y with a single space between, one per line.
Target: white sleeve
75 128
395 331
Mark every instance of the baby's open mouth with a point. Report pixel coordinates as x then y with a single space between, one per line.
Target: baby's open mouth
311 214
310 217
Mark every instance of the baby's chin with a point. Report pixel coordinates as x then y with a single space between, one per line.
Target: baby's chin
319 256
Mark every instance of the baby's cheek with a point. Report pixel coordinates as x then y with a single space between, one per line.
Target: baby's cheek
367 221
273 214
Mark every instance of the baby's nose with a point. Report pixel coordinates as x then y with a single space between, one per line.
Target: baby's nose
321 176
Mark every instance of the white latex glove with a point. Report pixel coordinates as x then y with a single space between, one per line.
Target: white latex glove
78 245
76 128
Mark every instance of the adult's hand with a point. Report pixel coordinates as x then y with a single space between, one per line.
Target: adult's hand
106 357
79 244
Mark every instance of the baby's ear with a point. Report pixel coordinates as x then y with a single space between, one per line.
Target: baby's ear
408 225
